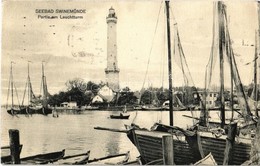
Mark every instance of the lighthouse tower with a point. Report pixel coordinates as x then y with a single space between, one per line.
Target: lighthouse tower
112 70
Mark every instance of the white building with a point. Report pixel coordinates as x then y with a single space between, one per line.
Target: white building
104 94
211 98
71 104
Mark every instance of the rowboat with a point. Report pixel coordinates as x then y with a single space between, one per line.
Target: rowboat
117 159
120 116
78 159
43 158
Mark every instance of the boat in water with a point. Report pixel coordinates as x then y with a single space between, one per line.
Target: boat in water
31 108
214 138
149 142
44 108
122 115
11 87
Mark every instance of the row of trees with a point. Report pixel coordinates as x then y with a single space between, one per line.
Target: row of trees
76 90
184 94
82 92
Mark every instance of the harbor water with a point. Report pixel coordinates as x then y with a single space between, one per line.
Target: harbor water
76 134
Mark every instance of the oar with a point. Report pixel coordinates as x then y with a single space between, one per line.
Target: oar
76 155
113 130
187 116
107 157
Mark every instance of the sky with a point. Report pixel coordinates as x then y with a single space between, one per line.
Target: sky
77 47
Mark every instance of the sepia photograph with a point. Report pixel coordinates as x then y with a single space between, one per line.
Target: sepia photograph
138 82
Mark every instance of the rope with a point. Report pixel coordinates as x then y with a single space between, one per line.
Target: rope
24 91
149 57
152 45
8 91
17 95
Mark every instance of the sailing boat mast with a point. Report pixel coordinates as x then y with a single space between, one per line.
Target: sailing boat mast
12 84
169 62
221 60
255 77
44 103
29 85
257 45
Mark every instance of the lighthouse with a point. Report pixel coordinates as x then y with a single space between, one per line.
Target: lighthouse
112 70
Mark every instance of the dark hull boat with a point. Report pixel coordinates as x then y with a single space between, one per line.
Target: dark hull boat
121 116
78 159
43 158
12 89
43 111
13 111
214 140
149 145
117 159
29 111
216 146
40 158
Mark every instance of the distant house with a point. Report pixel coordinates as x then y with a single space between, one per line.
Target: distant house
71 104
97 99
105 94
211 98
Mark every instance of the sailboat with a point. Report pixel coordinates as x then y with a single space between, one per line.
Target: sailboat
30 95
213 139
44 109
13 110
149 142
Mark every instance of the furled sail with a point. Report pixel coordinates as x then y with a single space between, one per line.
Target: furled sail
236 77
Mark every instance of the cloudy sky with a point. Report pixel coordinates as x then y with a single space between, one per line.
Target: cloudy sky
59 42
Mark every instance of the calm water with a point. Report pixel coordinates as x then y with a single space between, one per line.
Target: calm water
76 133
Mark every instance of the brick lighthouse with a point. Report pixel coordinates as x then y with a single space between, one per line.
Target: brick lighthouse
112 70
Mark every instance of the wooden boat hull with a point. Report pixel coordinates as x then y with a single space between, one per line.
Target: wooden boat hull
41 158
216 146
78 159
30 110
119 116
149 145
17 111
117 159
43 111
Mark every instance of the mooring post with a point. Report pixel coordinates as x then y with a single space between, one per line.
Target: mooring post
14 146
167 145
232 130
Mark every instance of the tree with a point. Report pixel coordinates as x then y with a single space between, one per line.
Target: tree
146 97
126 96
77 90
